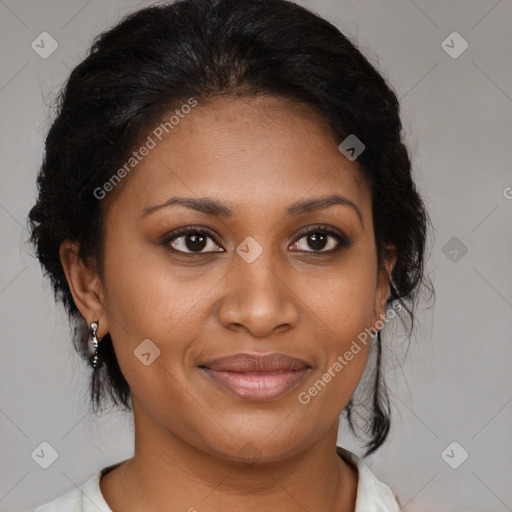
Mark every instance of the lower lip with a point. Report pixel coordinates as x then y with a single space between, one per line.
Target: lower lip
257 386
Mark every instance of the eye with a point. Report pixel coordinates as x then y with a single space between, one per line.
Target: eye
317 238
320 239
189 240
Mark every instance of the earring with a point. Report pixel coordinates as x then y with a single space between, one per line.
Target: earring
94 360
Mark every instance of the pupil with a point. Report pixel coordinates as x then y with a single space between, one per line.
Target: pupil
318 241
197 242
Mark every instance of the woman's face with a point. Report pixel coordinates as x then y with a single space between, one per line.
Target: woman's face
251 174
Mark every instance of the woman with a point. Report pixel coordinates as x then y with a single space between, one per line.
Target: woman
227 212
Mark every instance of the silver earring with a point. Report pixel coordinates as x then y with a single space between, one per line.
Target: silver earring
94 360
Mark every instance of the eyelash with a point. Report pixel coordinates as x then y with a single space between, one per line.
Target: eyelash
342 239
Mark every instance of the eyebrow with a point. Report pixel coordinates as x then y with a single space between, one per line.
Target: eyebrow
212 207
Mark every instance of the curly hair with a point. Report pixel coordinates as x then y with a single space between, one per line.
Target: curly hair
156 58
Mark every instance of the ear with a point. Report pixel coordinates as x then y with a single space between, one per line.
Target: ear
85 286
383 284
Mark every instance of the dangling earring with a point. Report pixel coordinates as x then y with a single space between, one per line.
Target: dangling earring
94 360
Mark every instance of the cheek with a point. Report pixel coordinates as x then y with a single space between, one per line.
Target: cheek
147 296
346 347
343 298
148 299
344 305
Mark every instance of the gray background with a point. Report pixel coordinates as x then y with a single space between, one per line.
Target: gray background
455 383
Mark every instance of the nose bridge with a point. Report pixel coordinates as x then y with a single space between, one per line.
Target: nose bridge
257 295
257 276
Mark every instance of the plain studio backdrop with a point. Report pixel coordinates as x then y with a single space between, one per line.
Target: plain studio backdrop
450 447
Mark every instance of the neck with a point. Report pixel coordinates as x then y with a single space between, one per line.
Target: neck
168 471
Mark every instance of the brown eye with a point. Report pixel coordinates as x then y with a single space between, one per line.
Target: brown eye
192 241
321 240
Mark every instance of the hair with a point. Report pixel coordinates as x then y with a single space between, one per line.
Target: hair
156 58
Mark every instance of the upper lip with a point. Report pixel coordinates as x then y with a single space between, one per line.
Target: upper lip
246 363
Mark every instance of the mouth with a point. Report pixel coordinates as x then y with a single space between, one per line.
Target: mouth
257 378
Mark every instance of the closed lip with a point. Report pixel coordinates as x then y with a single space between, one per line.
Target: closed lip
256 377
249 363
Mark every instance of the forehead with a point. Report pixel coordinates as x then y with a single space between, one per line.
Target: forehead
252 150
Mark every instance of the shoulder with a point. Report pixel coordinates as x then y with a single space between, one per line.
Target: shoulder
86 498
70 501
372 494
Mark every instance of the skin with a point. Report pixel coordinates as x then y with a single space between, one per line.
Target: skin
257 156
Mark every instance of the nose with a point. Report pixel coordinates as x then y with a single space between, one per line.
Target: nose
259 297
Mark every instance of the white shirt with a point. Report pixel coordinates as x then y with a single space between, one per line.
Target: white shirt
372 494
